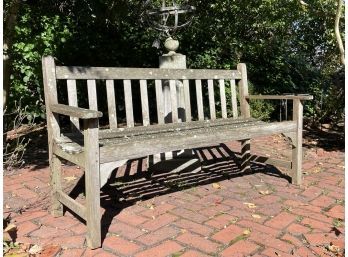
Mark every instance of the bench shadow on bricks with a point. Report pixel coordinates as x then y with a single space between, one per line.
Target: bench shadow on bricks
135 184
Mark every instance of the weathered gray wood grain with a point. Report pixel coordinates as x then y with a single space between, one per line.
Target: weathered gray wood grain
110 93
128 102
75 111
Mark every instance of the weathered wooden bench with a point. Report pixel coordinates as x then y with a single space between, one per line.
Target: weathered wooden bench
98 150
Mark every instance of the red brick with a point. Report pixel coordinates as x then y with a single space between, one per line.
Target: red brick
192 253
270 209
323 201
72 253
158 210
50 251
26 227
36 184
131 218
120 245
304 251
303 205
312 192
228 234
240 247
297 229
194 227
12 188
258 227
267 199
318 238
336 212
161 250
46 232
312 215
79 229
212 211
156 236
280 221
105 254
26 193
29 216
65 241
62 222
125 230
92 252
270 241
326 227
160 221
292 240
271 252
190 215
220 221
198 242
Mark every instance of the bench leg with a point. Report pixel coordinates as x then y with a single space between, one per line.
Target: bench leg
55 166
92 183
245 155
297 143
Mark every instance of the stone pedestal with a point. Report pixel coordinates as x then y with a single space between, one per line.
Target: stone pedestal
179 160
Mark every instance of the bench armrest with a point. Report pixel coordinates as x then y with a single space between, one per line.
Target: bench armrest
77 112
280 97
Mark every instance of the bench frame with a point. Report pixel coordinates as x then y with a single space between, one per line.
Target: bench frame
90 158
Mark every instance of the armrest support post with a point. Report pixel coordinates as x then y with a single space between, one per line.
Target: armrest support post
297 142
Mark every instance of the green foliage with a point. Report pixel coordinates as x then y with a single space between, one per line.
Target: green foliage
288 47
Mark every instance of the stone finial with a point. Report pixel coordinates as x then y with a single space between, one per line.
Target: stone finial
171 45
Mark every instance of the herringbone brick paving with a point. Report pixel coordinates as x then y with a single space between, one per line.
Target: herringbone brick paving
213 212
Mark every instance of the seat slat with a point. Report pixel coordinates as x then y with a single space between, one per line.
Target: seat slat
128 102
152 144
173 100
144 102
223 98
72 99
92 94
159 101
199 99
188 116
211 99
234 99
110 92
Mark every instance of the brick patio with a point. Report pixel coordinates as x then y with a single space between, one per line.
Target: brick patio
213 212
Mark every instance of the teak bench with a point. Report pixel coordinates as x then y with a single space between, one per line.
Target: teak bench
98 150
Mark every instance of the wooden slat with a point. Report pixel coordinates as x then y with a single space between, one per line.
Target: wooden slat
144 102
75 111
78 159
159 101
128 102
110 92
188 116
72 204
92 95
72 100
211 99
78 72
234 99
297 153
173 100
151 145
280 97
56 185
199 99
223 98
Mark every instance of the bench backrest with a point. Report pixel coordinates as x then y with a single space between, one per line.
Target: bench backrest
192 82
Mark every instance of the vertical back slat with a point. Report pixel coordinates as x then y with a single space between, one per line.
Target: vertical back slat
243 91
234 99
72 99
199 99
92 94
128 102
144 102
173 100
187 100
211 99
110 93
159 101
223 98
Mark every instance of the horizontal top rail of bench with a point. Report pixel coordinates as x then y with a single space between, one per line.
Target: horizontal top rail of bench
79 72
280 97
